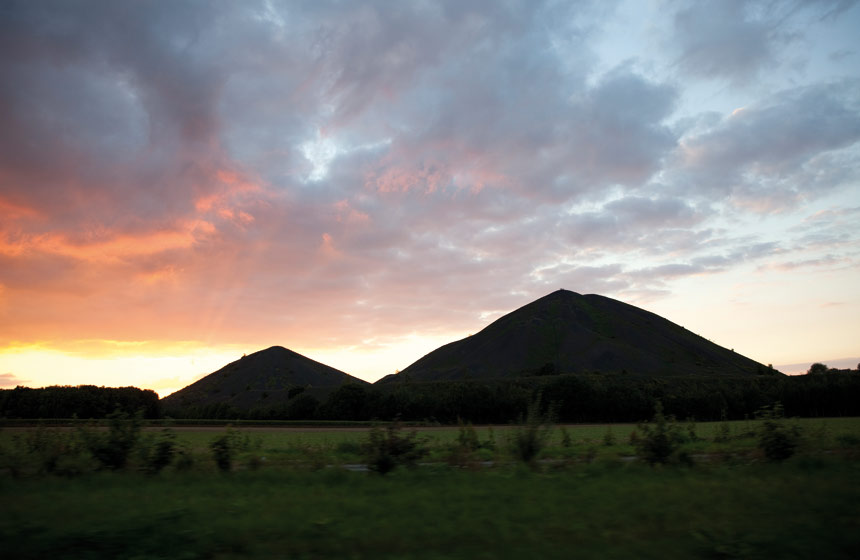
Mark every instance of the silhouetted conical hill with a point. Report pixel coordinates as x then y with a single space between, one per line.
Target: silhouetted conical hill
262 378
565 332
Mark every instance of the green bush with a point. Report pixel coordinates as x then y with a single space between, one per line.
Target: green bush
660 438
112 448
724 431
609 437
467 438
777 438
387 448
462 452
490 443
184 458
692 436
157 452
223 448
848 440
45 451
348 448
529 438
565 438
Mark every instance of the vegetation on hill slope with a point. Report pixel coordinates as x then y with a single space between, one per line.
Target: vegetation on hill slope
565 332
266 377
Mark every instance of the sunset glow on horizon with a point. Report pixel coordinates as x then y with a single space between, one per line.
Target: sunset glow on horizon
184 183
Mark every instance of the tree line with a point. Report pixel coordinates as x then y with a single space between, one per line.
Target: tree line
573 398
82 401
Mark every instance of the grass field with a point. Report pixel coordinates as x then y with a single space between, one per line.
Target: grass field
803 509
289 497
288 446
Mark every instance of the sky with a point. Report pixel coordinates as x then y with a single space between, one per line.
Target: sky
184 182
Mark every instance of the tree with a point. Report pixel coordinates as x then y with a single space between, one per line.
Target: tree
302 407
817 369
348 402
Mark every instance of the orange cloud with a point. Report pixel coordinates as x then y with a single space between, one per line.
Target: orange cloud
12 211
328 249
165 274
234 183
221 202
112 247
348 215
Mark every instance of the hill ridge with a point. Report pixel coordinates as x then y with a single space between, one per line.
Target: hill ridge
267 377
567 332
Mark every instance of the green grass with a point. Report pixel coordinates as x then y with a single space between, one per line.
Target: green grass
281 446
286 497
800 509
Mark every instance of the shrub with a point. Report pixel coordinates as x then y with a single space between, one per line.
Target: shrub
565 438
609 437
467 438
848 440
184 460
660 438
223 448
490 442
724 431
692 436
348 448
386 448
532 435
462 451
158 452
777 439
315 457
112 449
44 451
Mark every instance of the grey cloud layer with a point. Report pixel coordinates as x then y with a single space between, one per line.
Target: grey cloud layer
475 156
737 40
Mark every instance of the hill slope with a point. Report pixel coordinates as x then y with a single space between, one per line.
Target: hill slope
262 378
565 332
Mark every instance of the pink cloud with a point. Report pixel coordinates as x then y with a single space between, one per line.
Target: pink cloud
11 380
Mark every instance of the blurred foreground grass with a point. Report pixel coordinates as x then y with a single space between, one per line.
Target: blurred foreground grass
804 508
288 496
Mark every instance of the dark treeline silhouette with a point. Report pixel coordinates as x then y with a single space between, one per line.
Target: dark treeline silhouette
823 369
574 398
83 401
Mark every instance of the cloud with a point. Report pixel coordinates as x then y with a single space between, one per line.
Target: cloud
828 261
724 40
320 173
737 40
772 155
11 380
